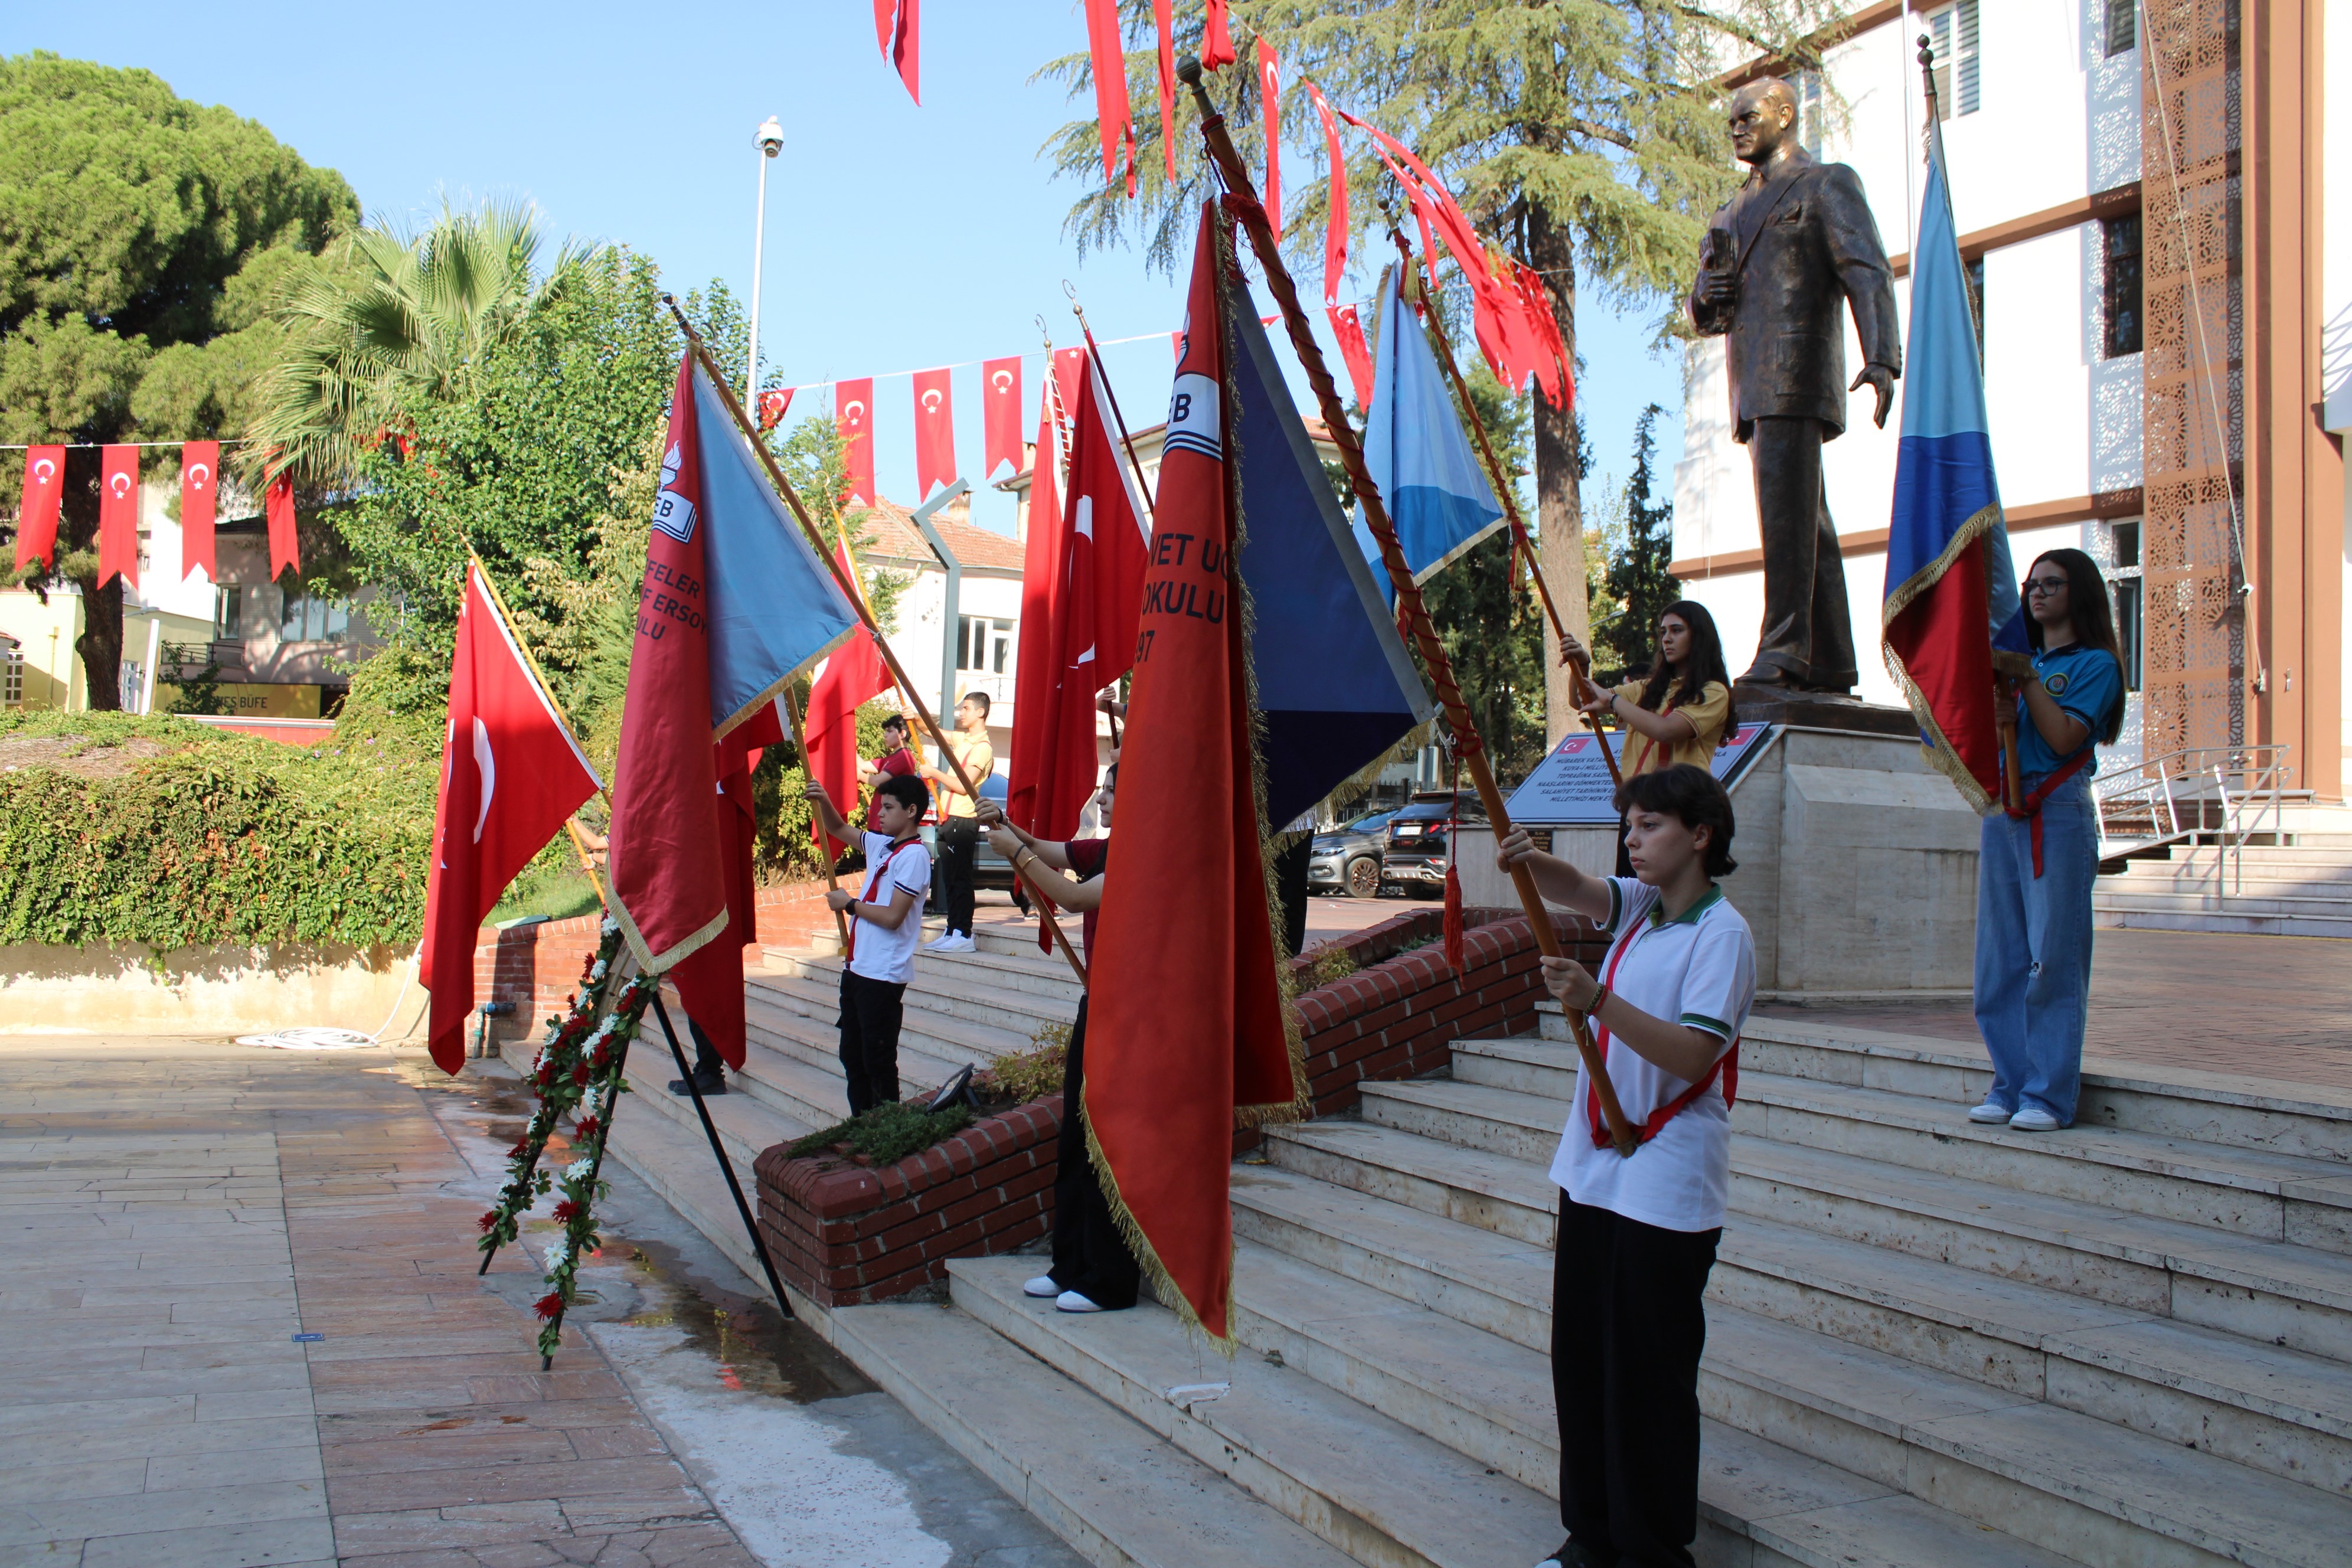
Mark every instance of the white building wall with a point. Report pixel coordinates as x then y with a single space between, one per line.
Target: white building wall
921 636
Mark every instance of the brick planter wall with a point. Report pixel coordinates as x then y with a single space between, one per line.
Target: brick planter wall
843 1234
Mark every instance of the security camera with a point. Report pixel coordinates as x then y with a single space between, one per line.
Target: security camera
770 136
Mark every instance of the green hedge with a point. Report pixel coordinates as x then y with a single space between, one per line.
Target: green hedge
220 839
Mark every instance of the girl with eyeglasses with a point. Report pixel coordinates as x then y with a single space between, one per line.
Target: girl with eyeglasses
2034 875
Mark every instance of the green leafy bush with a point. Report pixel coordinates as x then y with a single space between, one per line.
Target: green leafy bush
1017 1078
165 832
888 1133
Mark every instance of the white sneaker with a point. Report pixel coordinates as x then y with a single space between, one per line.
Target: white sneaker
2033 1119
1071 1301
1041 1287
955 941
1991 1113
938 943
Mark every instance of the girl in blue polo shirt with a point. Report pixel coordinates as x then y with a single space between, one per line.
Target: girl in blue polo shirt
2034 875
1638 1233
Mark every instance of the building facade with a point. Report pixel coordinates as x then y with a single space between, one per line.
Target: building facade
2164 287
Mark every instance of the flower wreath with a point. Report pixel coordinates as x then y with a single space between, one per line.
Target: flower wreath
579 1064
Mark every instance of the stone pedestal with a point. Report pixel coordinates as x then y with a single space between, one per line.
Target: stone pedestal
1857 868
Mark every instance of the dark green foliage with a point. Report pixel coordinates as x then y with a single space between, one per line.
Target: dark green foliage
220 839
1637 577
201 694
889 1132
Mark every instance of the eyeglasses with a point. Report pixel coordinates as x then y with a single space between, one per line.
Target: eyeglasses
2045 586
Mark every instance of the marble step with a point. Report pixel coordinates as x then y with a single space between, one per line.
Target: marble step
1110 1486
2295 1297
1391 1497
747 1124
813 1039
1008 939
1028 970
2092 1491
2131 912
2249 1192
675 1160
2274 1409
964 998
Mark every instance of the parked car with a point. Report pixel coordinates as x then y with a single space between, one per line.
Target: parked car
1416 854
1346 860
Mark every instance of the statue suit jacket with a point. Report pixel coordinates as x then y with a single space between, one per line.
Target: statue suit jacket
1804 244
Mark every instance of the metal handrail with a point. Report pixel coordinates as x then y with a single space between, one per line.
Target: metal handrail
2198 776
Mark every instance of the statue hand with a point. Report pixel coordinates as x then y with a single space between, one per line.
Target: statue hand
1718 286
1881 380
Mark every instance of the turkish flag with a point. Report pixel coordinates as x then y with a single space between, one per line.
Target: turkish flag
853 676
1035 688
1216 38
199 490
906 48
1190 1042
709 980
510 775
1000 402
118 515
1335 233
285 543
1163 20
853 415
36 517
773 404
1269 87
1069 369
1108 51
935 460
1353 349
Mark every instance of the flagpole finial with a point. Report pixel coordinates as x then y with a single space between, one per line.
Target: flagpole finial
1927 72
1188 71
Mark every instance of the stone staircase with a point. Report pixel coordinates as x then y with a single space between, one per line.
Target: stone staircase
1929 1342
2295 881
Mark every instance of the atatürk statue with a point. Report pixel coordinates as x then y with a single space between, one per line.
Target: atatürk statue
1790 247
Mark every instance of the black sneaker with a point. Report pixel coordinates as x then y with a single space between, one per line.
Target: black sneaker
713 1083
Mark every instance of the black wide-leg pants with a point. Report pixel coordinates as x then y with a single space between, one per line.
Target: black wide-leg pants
1090 1257
1628 1325
871 1014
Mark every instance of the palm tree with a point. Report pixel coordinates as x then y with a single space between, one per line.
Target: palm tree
395 317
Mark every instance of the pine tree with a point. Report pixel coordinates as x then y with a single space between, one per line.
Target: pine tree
1637 577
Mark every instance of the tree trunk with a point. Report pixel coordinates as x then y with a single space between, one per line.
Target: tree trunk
100 645
1559 463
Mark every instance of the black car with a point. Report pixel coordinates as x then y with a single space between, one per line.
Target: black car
1416 854
1346 860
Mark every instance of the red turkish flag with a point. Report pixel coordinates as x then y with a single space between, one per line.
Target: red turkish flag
199 490
1108 52
285 543
883 10
36 517
853 415
851 677
118 515
1269 87
1552 370
1350 331
1000 404
906 44
1335 233
772 405
1191 1041
510 775
1163 20
1216 38
1035 667
1069 368
709 980
935 460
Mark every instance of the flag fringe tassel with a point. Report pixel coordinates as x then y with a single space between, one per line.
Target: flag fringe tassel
1942 755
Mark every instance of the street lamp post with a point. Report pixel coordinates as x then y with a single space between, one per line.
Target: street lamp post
771 139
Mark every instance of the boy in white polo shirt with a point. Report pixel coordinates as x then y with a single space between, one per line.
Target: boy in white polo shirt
884 924
1638 1233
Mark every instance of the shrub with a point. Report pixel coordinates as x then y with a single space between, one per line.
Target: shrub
888 1133
1333 961
162 831
1019 1077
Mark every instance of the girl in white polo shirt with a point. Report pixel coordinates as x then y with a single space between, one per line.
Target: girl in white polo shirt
1638 1233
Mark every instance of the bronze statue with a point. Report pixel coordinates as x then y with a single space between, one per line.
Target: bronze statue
1791 244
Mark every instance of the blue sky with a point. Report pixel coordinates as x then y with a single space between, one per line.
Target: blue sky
899 237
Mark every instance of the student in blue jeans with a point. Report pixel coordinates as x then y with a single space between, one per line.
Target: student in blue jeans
2034 880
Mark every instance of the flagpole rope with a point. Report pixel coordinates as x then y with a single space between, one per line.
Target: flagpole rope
1470 745
816 542
1504 493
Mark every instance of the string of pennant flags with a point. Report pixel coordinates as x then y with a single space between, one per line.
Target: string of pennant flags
117 508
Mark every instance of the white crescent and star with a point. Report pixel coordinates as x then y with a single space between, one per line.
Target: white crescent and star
931 401
119 483
43 472
1002 381
854 411
486 761
198 473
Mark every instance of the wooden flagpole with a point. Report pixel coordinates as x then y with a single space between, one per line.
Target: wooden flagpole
1093 359
1521 540
1471 746
849 591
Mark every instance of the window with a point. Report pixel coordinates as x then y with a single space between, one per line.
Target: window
309 619
1954 31
1810 113
984 646
1973 270
2119 283
2125 578
12 672
228 614
2122 26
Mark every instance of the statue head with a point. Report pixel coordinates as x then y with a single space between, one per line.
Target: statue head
1763 120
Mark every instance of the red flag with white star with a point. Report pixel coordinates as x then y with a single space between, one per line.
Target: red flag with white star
36 517
118 515
935 460
199 492
1000 404
853 415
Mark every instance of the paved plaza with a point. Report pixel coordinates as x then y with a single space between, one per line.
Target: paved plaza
241 1326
